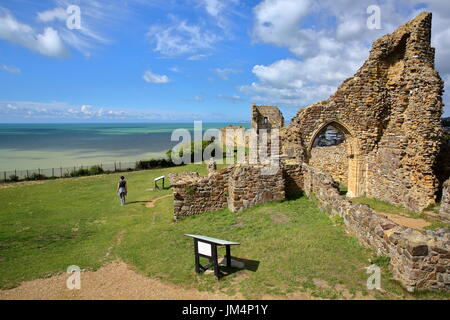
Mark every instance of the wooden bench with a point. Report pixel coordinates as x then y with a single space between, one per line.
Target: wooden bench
157 179
207 247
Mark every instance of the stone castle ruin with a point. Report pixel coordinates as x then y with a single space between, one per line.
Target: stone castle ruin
380 134
390 113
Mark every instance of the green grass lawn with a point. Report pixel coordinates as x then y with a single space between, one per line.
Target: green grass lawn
47 226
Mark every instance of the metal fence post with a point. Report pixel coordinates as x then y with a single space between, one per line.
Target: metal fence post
4 174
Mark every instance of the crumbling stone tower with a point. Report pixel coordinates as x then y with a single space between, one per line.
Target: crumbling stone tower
266 117
390 113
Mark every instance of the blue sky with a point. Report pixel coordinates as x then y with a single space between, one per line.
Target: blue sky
188 60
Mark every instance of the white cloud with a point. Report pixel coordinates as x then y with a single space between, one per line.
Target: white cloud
49 35
94 16
220 11
214 7
48 42
225 73
181 38
330 41
10 69
175 69
197 57
54 14
232 98
85 109
151 77
25 111
55 111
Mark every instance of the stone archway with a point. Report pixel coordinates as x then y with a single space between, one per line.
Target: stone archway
355 179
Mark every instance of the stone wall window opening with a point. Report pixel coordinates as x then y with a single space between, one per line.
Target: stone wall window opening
266 120
329 136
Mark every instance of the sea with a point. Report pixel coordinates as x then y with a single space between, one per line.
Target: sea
32 146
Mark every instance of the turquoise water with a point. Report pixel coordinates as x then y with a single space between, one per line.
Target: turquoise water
30 146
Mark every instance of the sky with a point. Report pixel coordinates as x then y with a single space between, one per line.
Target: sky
184 60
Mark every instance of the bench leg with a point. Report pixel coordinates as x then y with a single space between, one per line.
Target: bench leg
197 258
228 256
215 262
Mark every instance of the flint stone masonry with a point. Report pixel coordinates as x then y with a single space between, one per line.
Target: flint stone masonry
444 211
419 259
236 187
194 194
250 185
331 159
390 112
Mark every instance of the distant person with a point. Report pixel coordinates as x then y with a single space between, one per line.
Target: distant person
122 190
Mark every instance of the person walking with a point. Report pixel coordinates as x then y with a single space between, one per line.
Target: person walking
122 190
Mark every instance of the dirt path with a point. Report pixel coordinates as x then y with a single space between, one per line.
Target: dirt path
116 280
151 203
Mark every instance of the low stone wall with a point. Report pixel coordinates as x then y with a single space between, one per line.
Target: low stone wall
331 159
250 185
419 259
194 194
444 211
235 187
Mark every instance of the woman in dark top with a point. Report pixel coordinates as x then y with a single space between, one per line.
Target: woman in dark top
122 190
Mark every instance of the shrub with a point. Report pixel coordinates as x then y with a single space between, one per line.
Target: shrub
13 178
154 163
37 176
195 151
96 170
79 173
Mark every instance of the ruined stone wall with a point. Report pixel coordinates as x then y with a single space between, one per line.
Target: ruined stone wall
250 185
419 259
390 112
331 159
194 194
235 187
444 211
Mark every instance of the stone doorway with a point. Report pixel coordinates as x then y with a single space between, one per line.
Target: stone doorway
335 150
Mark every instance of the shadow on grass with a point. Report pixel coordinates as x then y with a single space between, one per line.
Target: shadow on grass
237 264
132 202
